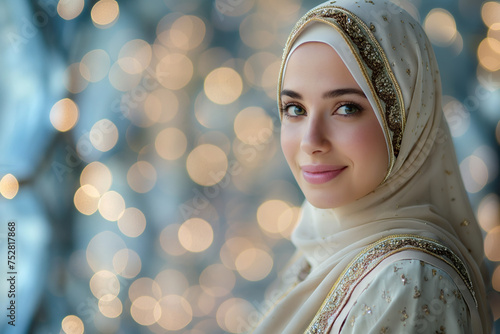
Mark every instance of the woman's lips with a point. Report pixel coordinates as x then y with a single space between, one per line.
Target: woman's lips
318 174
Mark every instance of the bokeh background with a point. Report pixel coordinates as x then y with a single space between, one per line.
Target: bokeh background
140 156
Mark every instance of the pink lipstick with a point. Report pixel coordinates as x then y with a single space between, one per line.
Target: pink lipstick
318 174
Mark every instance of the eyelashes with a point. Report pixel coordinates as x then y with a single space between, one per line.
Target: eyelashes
345 109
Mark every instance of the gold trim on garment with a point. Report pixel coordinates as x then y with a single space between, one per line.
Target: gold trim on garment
367 260
373 64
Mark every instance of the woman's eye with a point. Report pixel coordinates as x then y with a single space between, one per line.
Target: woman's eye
295 111
348 109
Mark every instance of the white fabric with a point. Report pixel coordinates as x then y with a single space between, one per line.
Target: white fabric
423 194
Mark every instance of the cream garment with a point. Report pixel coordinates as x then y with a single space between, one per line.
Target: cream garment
390 57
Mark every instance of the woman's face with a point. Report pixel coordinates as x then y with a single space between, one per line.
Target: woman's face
330 134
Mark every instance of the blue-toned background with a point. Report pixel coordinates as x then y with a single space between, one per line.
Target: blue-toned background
140 157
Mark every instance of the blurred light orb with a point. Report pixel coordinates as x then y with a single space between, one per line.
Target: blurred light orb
441 27
104 135
231 249
195 235
104 283
73 80
171 143
255 67
70 9
223 85
161 106
132 223
488 213
127 263
145 310
176 312
72 324
174 71
231 314
122 80
111 206
216 138
490 12
488 54
495 280
110 306
64 115
101 250
287 221
135 56
474 173
171 282
268 215
144 286
254 264
257 30
457 116
95 65
169 240
9 186
141 177
187 32
86 199
207 165
105 13
201 302
253 126
492 244
217 281
98 176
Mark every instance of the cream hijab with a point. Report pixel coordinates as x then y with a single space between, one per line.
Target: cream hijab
391 59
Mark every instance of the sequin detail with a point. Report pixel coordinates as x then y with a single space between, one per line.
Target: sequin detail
371 53
367 260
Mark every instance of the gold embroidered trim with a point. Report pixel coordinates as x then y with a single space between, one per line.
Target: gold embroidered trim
368 259
382 78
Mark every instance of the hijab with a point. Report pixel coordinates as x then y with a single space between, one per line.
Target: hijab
391 59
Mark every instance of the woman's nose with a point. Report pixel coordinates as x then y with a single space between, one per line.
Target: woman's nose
315 136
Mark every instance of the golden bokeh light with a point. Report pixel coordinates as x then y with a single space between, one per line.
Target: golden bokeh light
231 249
127 263
223 85
440 27
254 264
207 165
86 199
171 143
269 213
72 324
103 135
287 221
111 206
144 286
104 283
196 235
217 281
97 175
255 67
105 13
9 186
132 223
110 306
257 31
174 71
490 12
201 302
135 56
474 173
64 115
253 126
169 240
141 177
495 280
176 313
161 106
172 282
488 213
95 65
70 9
101 250
216 138
145 310
232 313
122 80
73 80
488 54
187 32
492 244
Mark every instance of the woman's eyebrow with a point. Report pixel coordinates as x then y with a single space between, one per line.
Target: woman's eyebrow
344 91
291 93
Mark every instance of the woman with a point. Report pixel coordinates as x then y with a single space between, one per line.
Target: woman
387 241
